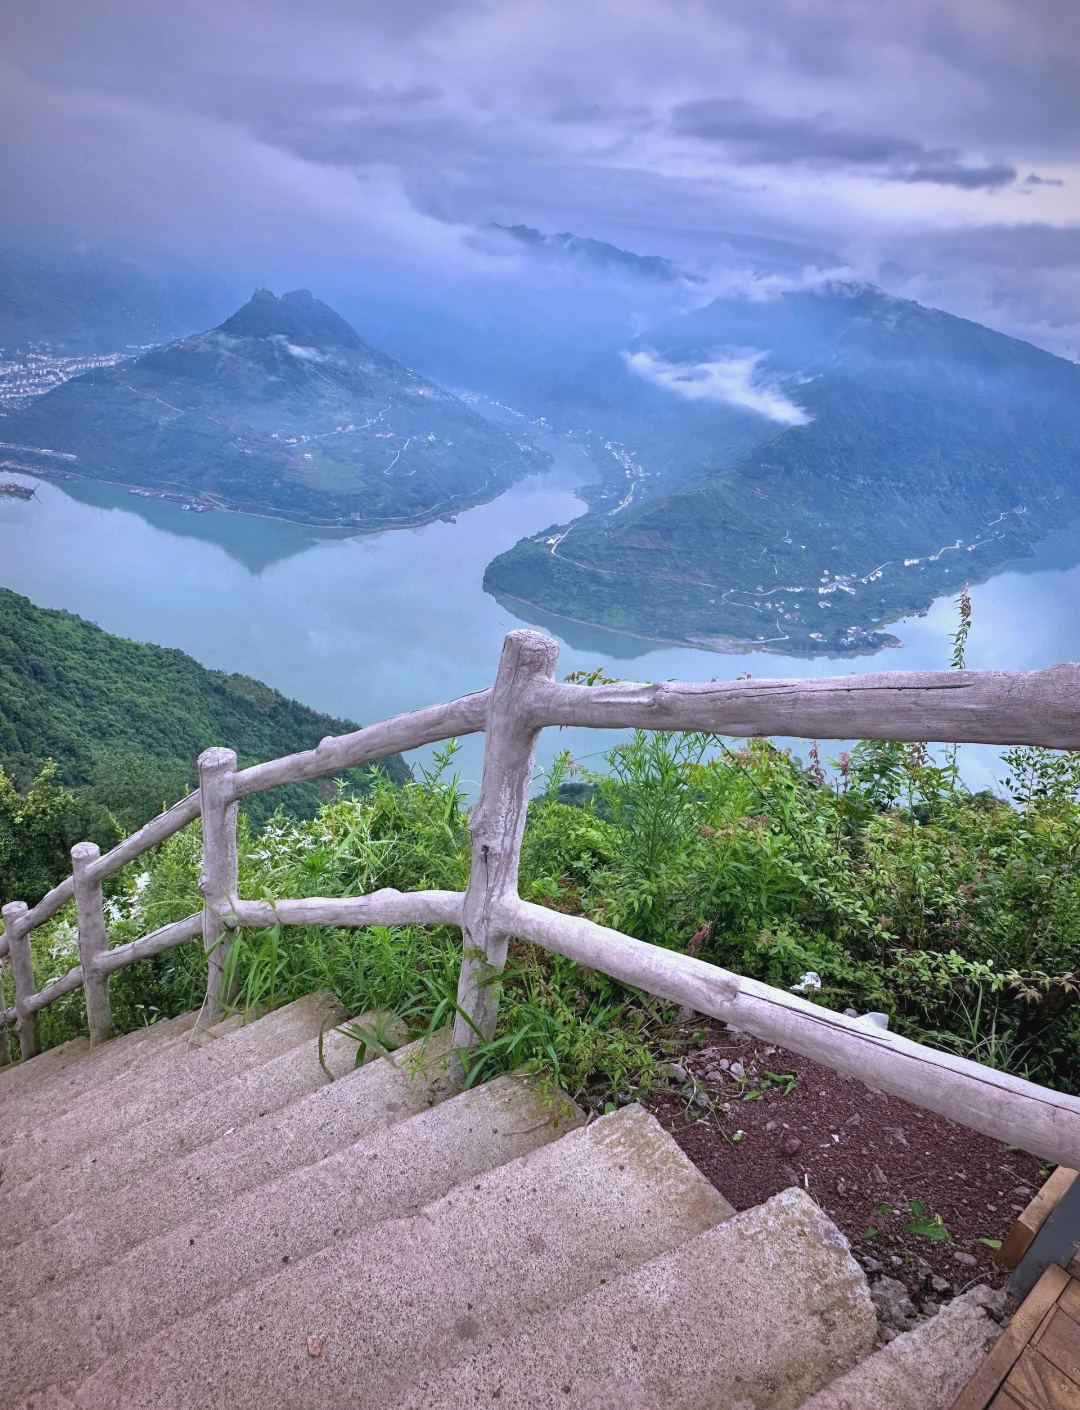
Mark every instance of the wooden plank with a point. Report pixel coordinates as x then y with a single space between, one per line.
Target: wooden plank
22 969
93 942
1069 1301
496 826
50 903
1020 1236
219 881
1038 1385
1051 1313
146 946
1004 1401
55 989
385 907
1060 1344
151 834
436 722
1002 1356
1056 1242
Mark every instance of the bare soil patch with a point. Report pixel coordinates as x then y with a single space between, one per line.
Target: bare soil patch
756 1119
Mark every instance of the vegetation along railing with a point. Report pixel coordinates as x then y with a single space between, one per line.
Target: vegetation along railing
990 707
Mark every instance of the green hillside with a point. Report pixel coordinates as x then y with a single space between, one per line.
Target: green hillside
281 410
125 721
927 452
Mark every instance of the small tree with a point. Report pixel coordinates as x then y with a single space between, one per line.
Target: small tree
36 830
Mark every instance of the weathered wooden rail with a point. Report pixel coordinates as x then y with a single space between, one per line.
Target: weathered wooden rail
987 707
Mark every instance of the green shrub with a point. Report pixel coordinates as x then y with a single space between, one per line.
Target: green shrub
956 913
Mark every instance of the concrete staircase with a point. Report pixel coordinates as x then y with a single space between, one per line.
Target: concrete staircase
198 1218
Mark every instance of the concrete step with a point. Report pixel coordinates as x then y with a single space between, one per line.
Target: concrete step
926 1368
40 1073
754 1314
15 1076
170 1076
46 1101
386 1176
168 1135
45 1097
155 1054
414 1294
103 1228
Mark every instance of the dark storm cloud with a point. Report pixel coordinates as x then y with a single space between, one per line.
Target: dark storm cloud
947 170
760 137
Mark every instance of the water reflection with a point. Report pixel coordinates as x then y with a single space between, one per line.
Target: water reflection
254 542
367 627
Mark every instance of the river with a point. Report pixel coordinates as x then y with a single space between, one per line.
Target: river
368 627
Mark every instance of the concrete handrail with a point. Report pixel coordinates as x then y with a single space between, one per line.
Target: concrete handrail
994 707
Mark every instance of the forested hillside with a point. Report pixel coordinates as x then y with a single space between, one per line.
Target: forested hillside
125 721
283 410
795 475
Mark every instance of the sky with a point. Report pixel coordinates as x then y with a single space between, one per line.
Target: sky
931 146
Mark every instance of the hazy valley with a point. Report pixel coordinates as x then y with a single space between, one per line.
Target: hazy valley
790 474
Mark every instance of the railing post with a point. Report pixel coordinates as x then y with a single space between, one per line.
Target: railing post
93 941
219 880
496 825
22 969
5 1043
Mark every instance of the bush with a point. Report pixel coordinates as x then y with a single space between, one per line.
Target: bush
958 914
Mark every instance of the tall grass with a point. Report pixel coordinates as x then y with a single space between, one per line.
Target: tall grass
956 913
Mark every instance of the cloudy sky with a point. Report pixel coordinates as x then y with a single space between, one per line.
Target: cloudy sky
933 146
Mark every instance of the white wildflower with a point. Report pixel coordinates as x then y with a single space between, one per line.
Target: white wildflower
810 982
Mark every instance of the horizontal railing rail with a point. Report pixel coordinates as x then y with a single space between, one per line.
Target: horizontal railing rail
990 707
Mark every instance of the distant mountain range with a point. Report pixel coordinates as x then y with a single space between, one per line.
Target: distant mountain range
788 473
75 297
797 473
283 410
529 303
598 255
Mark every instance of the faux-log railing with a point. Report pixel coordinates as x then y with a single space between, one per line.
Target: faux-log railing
986 707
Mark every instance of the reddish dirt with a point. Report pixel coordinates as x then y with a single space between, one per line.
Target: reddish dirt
852 1149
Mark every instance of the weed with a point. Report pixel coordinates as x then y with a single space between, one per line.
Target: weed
927 1226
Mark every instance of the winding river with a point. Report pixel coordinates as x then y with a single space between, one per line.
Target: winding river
367 627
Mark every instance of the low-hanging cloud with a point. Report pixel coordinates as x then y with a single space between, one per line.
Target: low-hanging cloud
289 138
733 379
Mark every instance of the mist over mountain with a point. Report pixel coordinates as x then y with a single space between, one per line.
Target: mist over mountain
867 455
283 409
598 255
532 305
76 297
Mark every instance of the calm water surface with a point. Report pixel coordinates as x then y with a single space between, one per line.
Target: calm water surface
368 627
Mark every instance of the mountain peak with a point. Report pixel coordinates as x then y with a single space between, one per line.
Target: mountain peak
297 316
